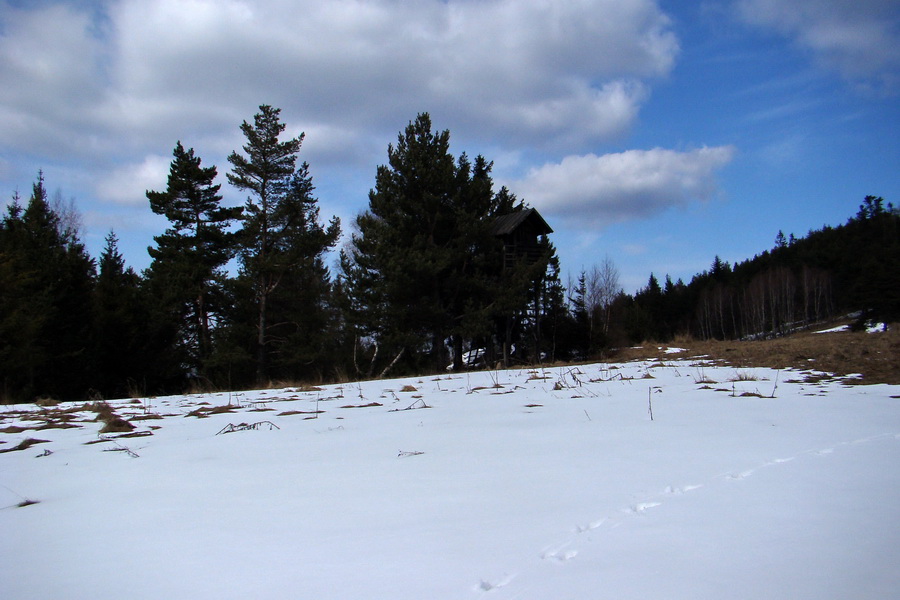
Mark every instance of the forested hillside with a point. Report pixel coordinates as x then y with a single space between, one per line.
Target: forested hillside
422 282
851 268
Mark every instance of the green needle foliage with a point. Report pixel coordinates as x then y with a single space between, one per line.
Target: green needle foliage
281 245
187 273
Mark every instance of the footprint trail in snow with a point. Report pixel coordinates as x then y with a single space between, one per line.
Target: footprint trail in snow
563 552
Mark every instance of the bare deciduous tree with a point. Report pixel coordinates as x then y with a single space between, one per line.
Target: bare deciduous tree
602 287
70 222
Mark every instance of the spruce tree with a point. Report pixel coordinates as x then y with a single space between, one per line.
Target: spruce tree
123 360
47 303
551 315
23 312
581 316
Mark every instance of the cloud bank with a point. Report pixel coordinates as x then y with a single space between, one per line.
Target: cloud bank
118 77
596 191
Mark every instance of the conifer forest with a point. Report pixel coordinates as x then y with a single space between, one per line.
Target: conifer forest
419 281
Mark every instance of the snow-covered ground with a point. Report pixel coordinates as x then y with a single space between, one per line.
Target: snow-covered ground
870 328
534 484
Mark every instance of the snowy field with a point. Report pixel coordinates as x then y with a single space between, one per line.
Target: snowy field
533 484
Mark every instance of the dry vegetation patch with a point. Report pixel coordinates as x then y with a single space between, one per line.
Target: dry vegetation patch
875 357
24 445
205 411
147 417
58 424
117 425
15 429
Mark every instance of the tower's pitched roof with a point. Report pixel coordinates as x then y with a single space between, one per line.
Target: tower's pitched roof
507 224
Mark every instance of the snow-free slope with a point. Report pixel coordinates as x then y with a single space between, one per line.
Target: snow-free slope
531 484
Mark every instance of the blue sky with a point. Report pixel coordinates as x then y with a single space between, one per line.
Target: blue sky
657 134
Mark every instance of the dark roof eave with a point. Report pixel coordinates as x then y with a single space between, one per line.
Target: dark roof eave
506 224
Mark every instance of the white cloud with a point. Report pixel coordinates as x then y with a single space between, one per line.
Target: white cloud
860 39
51 68
595 191
129 183
140 73
102 90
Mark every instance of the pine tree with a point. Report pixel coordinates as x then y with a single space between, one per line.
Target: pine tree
401 250
281 242
187 272
423 266
301 328
265 173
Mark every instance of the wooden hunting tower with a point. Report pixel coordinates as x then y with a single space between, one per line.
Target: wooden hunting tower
519 231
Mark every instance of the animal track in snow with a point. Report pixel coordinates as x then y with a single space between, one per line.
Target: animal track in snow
590 526
642 506
559 553
681 490
485 586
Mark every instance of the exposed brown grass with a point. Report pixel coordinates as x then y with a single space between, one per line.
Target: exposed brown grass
117 425
147 417
15 429
113 423
134 434
104 411
58 424
289 413
874 356
24 445
204 411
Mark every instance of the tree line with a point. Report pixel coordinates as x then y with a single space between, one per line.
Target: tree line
241 296
850 269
